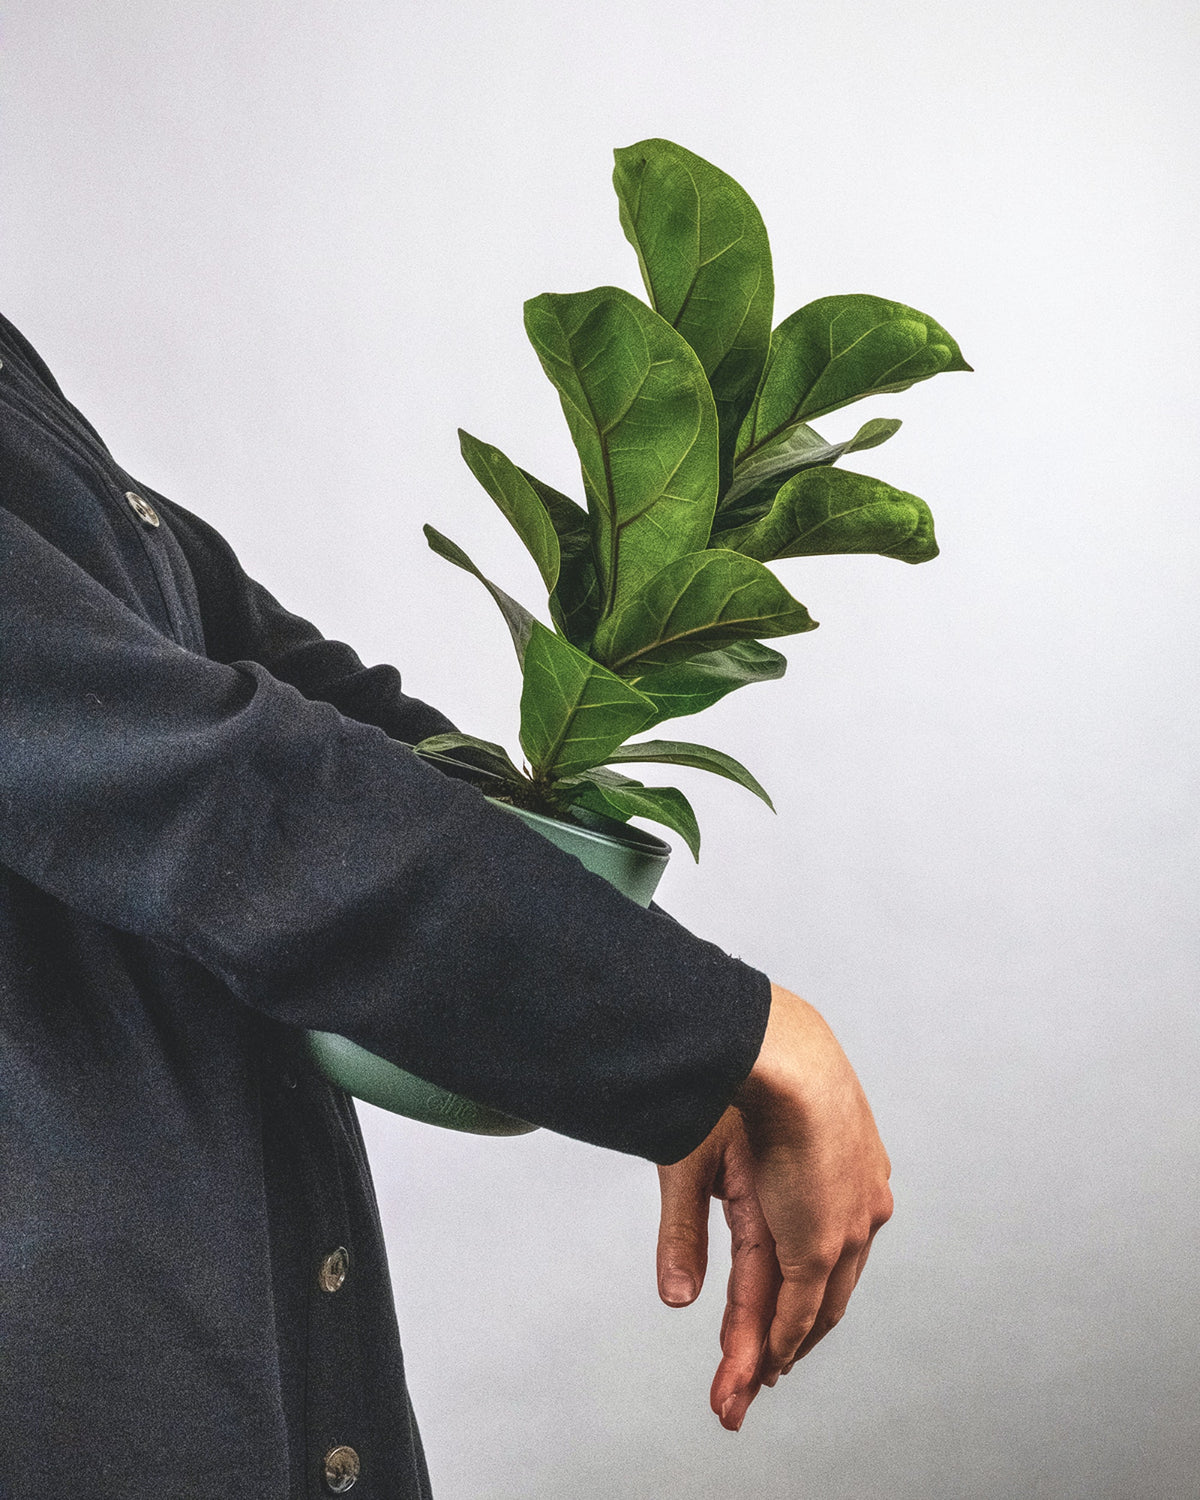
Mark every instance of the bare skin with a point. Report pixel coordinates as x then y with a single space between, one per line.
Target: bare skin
804 1178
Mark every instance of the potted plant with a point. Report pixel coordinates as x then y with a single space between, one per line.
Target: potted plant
692 419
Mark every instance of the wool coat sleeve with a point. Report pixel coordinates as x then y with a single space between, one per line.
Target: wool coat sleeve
249 807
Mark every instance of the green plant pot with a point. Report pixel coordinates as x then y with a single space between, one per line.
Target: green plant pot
628 858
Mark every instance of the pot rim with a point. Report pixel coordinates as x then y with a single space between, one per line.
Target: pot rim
640 840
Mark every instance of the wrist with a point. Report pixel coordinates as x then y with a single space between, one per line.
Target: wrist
796 1042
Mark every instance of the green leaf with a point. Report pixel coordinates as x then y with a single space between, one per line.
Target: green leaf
662 804
600 775
574 712
575 602
518 500
644 424
466 749
706 262
833 510
700 602
687 687
681 753
798 447
837 350
516 616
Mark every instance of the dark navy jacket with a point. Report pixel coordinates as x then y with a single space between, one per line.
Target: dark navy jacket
210 839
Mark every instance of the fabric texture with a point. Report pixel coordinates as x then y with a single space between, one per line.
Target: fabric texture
212 836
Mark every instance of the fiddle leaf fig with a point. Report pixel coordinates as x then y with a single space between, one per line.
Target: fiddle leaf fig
700 602
644 424
797 447
681 753
706 262
574 712
697 682
834 511
575 599
518 500
838 350
691 419
630 799
466 749
516 616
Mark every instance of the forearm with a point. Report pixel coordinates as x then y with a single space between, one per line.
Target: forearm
333 880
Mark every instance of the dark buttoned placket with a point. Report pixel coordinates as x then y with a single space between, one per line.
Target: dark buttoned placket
298 1343
326 1289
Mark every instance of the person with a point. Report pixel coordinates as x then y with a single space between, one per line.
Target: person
214 835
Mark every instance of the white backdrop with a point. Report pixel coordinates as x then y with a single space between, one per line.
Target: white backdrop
277 252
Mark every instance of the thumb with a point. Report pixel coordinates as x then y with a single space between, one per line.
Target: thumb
683 1232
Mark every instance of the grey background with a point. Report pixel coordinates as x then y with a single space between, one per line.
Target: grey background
277 252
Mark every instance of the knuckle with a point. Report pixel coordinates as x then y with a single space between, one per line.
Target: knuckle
822 1257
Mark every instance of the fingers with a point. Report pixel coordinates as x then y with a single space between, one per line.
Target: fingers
834 1310
795 1318
754 1282
833 1307
798 1305
682 1233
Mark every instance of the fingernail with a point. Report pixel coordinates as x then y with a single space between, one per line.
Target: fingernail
727 1406
678 1288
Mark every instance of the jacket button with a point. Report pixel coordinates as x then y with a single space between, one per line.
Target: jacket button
341 1470
139 507
333 1269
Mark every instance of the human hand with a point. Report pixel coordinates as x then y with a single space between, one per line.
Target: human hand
803 1175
